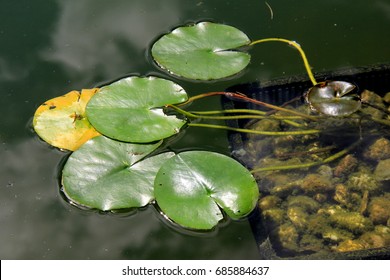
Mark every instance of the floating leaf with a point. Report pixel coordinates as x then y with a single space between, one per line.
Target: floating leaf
191 187
203 51
61 121
106 174
333 98
130 109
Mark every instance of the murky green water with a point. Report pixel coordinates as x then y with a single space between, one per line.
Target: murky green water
48 48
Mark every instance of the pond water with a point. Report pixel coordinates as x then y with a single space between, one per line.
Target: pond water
48 48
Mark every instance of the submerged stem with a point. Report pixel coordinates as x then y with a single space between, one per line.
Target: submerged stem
247 111
230 111
309 164
295 45
243 130
259 115
244 98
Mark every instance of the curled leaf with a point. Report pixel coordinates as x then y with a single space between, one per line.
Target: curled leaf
333 98
62 122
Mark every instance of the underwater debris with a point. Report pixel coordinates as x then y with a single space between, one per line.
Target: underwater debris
380 149
274 217
269 202
379 209
298 217
306 203
314 183
286 237
375 102
352 221
339 206
382 170
346 165
362 182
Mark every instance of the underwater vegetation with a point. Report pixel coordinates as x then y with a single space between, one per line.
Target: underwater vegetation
339 206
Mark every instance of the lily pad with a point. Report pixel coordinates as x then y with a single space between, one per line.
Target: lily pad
202 52
333 98
106 174
192 187
131 110
61 121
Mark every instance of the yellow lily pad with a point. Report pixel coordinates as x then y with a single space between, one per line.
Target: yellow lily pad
62 122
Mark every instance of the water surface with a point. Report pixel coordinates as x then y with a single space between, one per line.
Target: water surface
48 48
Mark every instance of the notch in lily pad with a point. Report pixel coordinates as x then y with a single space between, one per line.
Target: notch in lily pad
131 109
108 175
194 188
204 51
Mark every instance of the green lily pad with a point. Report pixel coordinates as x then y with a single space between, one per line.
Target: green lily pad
131 110
106 174
192 187
202 52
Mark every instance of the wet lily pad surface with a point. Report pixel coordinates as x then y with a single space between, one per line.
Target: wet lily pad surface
334 98
61 121
204 51
105 174
194 188
131 109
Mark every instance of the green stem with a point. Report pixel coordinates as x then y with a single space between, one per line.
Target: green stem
199 115
248 111
208 117
238 117
270 133
295 45
196 97
381 121
231 117
181 111
244 98
230 111
309 164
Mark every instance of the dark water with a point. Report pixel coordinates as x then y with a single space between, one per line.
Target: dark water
48 48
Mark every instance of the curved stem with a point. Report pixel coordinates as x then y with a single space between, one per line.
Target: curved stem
239 117
206 115
244 98
247 111
231 111
295 45
381 121
196 97
271 133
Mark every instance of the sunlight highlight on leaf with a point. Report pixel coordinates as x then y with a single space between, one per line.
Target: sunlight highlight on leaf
108 175
193 189
204 51
132 109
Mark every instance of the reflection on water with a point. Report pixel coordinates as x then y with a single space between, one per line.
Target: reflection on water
89 41
51 47
37 224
